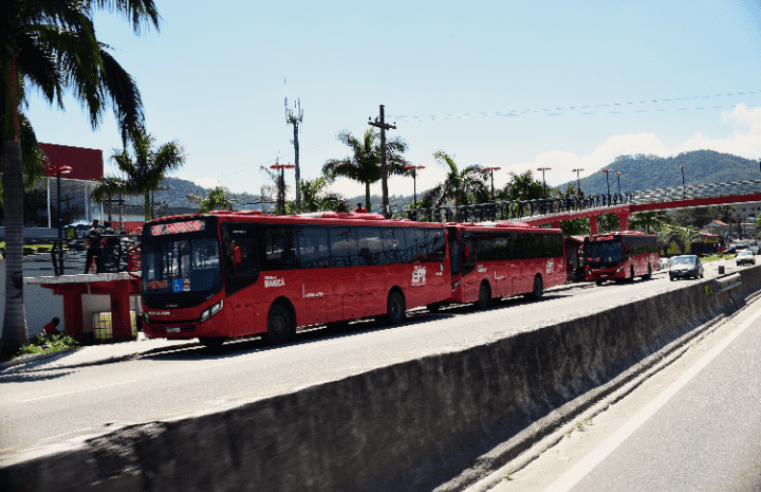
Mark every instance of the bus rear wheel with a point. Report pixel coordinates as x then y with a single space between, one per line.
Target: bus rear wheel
631 274
212 342
538 288
396 309
484 296
278 325
649 272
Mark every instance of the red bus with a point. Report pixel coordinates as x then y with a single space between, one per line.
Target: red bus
503 259
231 274
620 256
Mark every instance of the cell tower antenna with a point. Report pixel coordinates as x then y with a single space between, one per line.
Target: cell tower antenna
295 117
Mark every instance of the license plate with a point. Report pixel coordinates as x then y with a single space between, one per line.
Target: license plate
603 275
175 329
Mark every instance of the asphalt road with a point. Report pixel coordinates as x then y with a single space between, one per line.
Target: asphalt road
695 426
58 398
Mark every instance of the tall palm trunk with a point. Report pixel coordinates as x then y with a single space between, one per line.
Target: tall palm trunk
14 324
147 208
367 197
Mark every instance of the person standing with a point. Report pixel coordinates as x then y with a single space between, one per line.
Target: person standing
92 243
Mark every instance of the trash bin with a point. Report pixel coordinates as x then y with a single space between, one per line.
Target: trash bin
721 269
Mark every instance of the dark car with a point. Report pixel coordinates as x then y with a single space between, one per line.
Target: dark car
685 266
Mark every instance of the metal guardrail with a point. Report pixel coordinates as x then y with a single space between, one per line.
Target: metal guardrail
119 255
527 209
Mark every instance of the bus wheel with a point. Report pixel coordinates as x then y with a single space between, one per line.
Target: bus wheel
631 274
212 342
598 282
484 296
397 311
538 288
278 325
649 272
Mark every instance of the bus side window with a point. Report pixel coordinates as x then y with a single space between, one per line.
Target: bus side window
280 248
314 247
339 246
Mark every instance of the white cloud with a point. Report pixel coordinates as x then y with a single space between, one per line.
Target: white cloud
207 182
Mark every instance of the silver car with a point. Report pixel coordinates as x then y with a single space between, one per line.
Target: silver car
685 266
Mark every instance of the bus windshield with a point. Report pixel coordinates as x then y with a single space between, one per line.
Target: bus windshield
603 253
187 265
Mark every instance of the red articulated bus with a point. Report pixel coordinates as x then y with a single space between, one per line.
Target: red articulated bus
503 259
620 256
231 274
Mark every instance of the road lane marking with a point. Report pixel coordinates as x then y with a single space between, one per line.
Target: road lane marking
573 476
75 391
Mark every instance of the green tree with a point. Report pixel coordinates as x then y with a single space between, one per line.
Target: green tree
465 187
649 221
575 227
364 165
142 172
217 200
51 45
608 222
316 197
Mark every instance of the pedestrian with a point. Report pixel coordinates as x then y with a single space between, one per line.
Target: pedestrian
360 209
92 243
109 245
51 328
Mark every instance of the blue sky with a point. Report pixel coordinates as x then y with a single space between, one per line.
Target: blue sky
519 85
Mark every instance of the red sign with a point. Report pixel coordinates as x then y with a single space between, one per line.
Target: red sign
177 227
86 164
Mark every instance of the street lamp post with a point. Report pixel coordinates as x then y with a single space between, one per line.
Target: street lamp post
281 183
578 181
414 180
618 175
491 170
543 180
684 188
607 172
58 170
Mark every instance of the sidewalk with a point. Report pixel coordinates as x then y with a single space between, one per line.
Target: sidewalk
106 353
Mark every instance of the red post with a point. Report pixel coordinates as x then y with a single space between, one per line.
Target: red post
556 224
121 325
592 225
623 220
72 309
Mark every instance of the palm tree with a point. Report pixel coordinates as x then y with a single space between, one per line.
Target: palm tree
464 186
215 201
51 44
315 197
143 174
365 165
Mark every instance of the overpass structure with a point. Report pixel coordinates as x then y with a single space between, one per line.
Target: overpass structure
555 210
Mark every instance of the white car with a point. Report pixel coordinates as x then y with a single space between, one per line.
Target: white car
745 256
664 262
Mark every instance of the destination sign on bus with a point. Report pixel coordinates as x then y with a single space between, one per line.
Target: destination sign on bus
177 227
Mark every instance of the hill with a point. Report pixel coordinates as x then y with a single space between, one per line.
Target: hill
643 172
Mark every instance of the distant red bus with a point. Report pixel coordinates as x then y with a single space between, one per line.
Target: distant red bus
225 274
620 256
504 259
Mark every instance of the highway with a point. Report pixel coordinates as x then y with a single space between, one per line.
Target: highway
696 425
56 398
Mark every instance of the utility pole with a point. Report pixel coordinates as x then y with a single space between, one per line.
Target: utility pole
384 167
294 117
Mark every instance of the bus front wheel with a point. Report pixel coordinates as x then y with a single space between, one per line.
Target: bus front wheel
484 296
278 325
396 308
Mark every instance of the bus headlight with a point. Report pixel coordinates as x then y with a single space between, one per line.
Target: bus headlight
146 319
208 313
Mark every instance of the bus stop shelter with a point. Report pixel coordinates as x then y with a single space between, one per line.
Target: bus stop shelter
118 286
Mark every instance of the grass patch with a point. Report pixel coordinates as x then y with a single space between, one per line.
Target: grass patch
709 258
42 344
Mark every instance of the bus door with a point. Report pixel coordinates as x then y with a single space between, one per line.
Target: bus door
454 253
241 274
470 277
514 274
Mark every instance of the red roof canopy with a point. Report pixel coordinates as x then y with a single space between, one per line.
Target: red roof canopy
86 164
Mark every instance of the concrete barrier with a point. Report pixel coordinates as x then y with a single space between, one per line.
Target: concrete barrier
410 426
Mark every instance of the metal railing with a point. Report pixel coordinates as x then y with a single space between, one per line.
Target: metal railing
542 207
120 253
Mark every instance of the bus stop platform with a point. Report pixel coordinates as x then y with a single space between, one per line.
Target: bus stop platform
119 286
